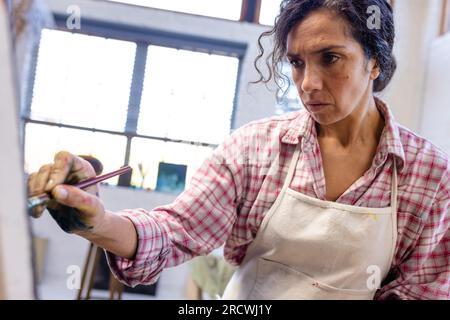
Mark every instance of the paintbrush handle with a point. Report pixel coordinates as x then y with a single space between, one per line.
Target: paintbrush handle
91 181
44 198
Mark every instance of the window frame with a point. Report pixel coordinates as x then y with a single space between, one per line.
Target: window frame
143 37
444 27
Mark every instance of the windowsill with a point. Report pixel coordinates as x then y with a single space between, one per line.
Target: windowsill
136 189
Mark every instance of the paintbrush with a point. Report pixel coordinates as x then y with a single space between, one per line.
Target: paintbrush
42 199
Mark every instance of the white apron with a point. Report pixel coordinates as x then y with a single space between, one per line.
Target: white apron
308 248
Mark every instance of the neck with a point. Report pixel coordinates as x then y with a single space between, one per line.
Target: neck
363 125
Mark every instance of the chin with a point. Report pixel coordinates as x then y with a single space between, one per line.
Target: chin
324 119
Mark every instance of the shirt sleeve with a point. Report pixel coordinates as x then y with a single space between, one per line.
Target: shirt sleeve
198 221
425 274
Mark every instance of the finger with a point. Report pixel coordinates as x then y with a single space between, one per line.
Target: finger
42 179
78 199
66 163
36 212
31 183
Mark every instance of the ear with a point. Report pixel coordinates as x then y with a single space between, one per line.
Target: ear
373 68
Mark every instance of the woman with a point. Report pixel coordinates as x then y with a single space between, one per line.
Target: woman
334 202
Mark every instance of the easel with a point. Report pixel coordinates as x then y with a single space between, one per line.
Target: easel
89 270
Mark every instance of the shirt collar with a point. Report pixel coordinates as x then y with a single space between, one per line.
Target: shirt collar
302 128
390 142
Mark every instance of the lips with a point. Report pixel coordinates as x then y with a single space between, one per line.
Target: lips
315 106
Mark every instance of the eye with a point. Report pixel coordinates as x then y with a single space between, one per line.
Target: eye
296 63
330 58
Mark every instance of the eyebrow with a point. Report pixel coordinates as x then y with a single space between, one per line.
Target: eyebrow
327 48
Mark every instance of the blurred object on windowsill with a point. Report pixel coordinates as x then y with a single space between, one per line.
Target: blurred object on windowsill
143 174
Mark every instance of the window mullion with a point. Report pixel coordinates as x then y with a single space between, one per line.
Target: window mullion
25 107
137 85
236 97
250 10
31 77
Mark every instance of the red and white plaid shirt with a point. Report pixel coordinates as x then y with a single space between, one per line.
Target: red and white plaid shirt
234 188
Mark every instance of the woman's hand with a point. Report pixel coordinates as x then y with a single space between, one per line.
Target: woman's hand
75 210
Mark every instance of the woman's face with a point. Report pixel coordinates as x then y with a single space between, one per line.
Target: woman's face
329 68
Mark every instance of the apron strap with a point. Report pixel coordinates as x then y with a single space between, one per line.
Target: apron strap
394 186
291 169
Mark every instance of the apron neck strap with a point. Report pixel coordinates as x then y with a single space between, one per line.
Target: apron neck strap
291 169
394 184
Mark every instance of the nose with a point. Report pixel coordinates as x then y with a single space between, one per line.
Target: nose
312 80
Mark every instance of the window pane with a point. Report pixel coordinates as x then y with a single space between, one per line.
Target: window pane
83 80
188 95
290 101
226 9
269 10
42 142
149 153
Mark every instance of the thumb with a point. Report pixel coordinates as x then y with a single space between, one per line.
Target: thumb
78 199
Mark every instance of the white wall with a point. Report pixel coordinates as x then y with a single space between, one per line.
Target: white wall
435 117
417 25
419 94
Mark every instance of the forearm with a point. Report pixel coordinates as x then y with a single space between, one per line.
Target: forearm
115 234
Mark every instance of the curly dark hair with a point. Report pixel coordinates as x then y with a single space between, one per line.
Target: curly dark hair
376 43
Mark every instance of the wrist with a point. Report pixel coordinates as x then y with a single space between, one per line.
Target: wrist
99 228
114 233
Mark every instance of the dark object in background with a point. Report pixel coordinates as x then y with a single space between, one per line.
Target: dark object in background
171 178
101 280
95 163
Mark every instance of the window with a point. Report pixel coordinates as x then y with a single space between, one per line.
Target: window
269 11
81 80
180 96
43 141
180 102
288 99
127 102
225 9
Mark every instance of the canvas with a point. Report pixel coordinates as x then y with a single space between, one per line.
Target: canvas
171 178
